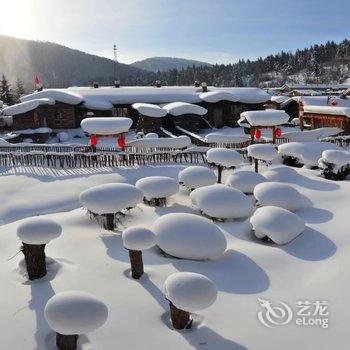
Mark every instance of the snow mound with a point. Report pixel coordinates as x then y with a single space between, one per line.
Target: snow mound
106 126
161 142
338 158
245 181
63 136
38 231
224 157
150 110
110 198
75 312
151 135
279 224
189 236
265 152
138 238
278 195
157 186
196 176
181 108
220 138
190 291
311 135
222 202
269 117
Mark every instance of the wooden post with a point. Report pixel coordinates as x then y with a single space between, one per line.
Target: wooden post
252 131
179 318
109 222
220 169
273 134
35 259
256 165
136 263
66 342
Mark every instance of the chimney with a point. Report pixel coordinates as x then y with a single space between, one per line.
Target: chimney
204 87
158 84
197 83
95 85
117 84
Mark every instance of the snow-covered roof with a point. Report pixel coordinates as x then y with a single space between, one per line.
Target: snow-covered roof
181 108
161 142
27 106
106 126
311 135
150 110
60 95
328 110
96 104
269 117
316 86
279 98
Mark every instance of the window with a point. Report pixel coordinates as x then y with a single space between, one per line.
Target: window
58 118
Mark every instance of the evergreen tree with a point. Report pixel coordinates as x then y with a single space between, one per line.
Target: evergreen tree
5 91
19 90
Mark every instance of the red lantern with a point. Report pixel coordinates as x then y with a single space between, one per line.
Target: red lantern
334 103
93 140
121 141
278 132
257 134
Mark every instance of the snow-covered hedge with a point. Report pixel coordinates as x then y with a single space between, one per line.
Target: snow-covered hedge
37 231
189 236
334 164
196 176
266 152
222 202
106 126
225 157
278 224
138 238
190 291
270 117
157 187
75 312
245 181
110 198
279 195
161 142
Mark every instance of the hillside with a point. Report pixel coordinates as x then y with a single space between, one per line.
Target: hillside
155 64
57 65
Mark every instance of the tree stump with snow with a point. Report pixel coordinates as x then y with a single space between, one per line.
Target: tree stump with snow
108 223
179 318
66 342
136 263
35 259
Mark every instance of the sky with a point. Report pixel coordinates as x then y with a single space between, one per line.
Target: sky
220 31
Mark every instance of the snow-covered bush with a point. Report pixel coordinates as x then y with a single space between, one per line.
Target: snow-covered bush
334 164
222 202
156 189
277 224
224 158
188 292
109 199
279 195
262 152
189 236
136 239
245 181
35 233
106 126
196 176
73 313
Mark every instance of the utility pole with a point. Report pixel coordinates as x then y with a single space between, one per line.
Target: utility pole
115 70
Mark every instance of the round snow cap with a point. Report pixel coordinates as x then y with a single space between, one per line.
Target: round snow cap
222 202
225 157
157 186
138 238
265 152
245 181
110 198
278 224
38 231
197 176
75 312
338 158
190 291
278 195
151 135
189 236
106 126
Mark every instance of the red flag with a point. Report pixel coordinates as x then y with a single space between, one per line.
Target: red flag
37 80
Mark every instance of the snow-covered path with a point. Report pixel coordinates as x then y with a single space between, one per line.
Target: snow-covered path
313 267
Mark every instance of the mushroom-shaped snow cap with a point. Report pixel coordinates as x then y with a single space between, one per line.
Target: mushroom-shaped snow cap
222 202
110 198
265 152
224 157
157 186
190 291
138 238
189 236
197 176
280 225
38 231
106 126
151 135
245 181
278 195
338 158
75 312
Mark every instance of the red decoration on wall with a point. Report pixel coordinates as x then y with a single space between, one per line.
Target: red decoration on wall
93 140
278 132
257 134
121 141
